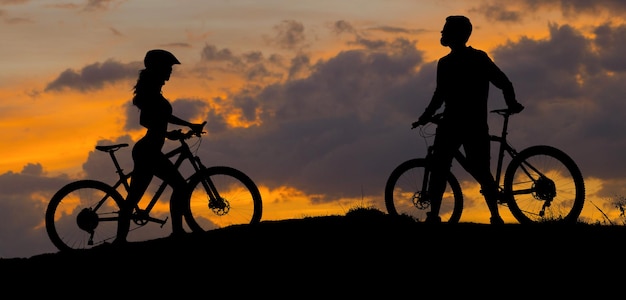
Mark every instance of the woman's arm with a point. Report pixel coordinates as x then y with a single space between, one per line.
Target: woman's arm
197 127
178 121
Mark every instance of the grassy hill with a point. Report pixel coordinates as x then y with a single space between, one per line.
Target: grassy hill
364 253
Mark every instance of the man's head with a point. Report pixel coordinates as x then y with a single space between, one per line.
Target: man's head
456 31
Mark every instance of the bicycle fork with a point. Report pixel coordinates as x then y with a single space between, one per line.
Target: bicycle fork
421 198
219 205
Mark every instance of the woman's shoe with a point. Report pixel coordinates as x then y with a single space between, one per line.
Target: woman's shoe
496 221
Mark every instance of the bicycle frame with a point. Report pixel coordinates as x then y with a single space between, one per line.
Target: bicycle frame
503 148
184 153
537 183
85 212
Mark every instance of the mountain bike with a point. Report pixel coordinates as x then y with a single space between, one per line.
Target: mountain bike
540 184
84 213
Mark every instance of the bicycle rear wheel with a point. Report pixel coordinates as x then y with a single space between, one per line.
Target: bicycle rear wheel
404 194
239 199
83 214
544 184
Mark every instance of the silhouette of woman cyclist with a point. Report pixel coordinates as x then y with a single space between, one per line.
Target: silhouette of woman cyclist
463 78
148 159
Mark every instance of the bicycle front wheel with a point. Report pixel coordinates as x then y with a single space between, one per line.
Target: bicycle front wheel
404 194
222 196
83 214
542 184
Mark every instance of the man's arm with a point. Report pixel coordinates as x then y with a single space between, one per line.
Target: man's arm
435 103
501 81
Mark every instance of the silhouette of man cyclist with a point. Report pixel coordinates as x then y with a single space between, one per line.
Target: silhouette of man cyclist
463 78
148 159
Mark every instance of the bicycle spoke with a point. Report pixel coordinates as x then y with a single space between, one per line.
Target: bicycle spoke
82 215
544 185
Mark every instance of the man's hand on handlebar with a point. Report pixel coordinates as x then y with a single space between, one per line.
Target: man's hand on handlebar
197 128
423 120
516 108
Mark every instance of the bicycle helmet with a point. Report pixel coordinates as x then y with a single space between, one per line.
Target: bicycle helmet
159 58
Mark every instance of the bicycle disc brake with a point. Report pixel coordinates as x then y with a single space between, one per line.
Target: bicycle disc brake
420 200
219 206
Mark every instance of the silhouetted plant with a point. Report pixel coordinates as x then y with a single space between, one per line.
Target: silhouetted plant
363 211
620 204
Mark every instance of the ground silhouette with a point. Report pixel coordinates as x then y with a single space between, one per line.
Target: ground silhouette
365 253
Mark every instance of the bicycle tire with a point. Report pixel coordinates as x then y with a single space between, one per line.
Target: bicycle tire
404 186
568 190
79 207
243 204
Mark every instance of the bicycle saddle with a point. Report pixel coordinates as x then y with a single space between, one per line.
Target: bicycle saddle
111 147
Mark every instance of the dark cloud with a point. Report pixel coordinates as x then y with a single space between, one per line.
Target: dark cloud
94 76
100 5
573 87
546 68
392 29
300 64
516 11
211 53
23 203
251 65
346 124
334 117
611 42
176 45
289 35
575 7
498 12
342 26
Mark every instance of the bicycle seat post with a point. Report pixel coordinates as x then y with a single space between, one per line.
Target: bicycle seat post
505 124
118 168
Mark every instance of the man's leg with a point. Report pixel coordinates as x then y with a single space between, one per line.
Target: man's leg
445 146
478 154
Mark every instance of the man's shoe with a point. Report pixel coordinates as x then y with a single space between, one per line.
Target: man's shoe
432 218
177 234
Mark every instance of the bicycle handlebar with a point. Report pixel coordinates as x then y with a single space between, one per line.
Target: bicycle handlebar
436 118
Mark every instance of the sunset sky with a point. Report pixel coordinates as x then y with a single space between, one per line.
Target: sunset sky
312 99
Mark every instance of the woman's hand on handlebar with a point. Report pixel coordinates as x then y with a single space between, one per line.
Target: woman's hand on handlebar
175 135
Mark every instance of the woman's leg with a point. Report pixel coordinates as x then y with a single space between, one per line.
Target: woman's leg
180 192
138 184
